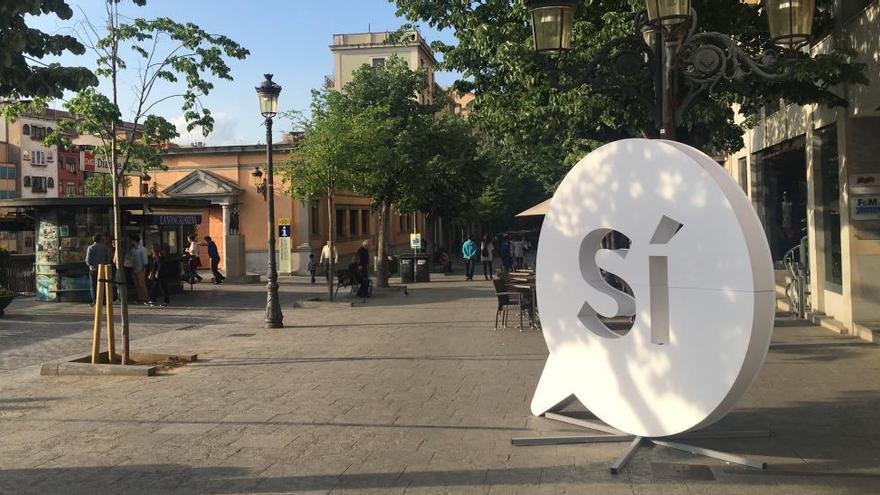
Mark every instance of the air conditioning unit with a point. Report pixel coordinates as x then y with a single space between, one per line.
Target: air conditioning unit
26 156
50 158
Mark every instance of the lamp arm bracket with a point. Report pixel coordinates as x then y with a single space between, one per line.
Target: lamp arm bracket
707 58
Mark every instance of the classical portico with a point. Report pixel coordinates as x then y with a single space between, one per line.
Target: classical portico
223 224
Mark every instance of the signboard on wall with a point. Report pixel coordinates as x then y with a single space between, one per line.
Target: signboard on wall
864 184
865 208
415 241
91 163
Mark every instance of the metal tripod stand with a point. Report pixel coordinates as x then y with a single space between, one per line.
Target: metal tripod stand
612 435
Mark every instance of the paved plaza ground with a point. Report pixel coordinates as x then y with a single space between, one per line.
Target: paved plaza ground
405 394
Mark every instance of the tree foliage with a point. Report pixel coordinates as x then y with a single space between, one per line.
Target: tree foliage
23 74
535 109
101 185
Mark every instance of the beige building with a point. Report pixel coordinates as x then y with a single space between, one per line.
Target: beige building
351 51
813 175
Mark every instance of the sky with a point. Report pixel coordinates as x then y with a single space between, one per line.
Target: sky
288 38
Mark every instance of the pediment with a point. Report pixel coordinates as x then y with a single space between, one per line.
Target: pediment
203 183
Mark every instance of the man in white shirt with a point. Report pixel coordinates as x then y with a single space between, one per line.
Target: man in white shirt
324 261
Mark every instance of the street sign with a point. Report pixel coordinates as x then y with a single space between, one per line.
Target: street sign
865 208
283 221
284 231
415 241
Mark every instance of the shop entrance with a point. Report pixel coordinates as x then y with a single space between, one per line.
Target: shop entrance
783 173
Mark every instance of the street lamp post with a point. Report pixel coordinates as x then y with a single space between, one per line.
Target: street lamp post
667 44
268 93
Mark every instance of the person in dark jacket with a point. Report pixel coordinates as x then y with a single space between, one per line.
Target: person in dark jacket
97 254
214 254
156 277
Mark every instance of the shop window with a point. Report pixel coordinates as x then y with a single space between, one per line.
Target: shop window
353 221
826 156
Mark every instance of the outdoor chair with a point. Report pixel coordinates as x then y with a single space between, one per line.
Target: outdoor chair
508 301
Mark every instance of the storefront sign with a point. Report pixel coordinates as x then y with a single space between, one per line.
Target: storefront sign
702 294
864 184
91 163
174 219
865 208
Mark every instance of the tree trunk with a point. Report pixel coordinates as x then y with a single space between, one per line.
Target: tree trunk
331 231
116 178
382 245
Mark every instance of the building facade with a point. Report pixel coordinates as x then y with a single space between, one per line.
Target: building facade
351 51
237 217
813 175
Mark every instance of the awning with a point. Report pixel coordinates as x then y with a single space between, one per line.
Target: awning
538 210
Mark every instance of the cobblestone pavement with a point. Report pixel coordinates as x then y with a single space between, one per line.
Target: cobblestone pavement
404 394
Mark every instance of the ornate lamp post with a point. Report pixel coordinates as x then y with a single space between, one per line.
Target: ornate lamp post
268 93
665 44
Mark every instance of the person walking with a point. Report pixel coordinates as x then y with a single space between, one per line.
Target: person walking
469 253
519 253
363 262
139 262
313 267
156 276
194 260
487 256
324 261
505 251
96 254
214 254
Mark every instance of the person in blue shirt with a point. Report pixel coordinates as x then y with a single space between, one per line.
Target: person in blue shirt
214 254
469 253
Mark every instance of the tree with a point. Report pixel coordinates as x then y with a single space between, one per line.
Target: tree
385 97
182 54
535 106
101 185
22 72
321 163
451 175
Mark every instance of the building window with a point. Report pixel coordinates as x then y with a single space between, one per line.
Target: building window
353 221
38 157
340 224
26 130
379 62
26 181
826 156
365 222
38 184
71 165
743 169
50 182
315 215
71 189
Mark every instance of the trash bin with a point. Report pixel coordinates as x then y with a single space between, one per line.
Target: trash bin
406 269
422 268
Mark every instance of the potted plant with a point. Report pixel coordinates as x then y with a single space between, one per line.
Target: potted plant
6 297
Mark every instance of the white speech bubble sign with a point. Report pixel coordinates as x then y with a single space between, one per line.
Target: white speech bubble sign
701 272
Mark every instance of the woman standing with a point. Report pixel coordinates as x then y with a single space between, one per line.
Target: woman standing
487 256
156 277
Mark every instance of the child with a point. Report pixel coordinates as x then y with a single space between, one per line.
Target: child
313 268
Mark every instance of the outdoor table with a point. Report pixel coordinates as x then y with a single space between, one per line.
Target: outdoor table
530 288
